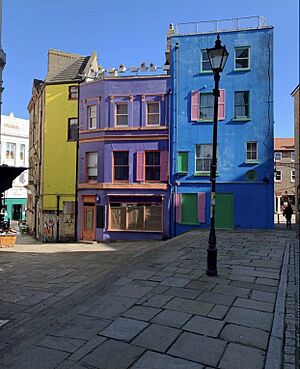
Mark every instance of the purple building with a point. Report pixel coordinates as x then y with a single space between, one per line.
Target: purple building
123 190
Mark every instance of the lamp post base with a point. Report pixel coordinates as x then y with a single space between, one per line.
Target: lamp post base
211 262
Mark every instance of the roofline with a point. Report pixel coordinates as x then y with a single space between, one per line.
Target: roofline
295 90
219 32
160 76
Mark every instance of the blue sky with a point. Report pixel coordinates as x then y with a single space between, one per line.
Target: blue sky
130 32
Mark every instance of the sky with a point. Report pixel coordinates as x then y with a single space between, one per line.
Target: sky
132 32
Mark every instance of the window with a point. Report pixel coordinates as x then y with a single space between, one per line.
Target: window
92 117
22 178
121 165
242 58
251 154
183 162
207 106
278 156
153 115
136 216
72 129
277 176
203 158
73 92
205 65
293 174
293 155
152 166
241 105
121 114
22 153
10 150
92 166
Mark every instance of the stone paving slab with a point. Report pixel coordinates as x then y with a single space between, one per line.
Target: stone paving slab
205 326
189 306
238 356
124 329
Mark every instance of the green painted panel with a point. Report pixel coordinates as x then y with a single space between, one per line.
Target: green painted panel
189 208
13 211
183 158
224 210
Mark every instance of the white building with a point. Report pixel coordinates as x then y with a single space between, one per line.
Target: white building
15 145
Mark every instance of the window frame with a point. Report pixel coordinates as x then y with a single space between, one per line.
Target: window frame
212 106
185 160
278 180
70 93
141 203
202 173
9 151
159 113
69 130
114 166
242 118
22 153
250 161
235 58
117 115
90 117
292 155
209 71
151 166
277 152
293 175
92 180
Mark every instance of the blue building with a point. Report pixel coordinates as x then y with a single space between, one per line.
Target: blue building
245 174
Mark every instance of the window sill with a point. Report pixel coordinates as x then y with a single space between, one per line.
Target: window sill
206 174
182 173
252 162
242 70
205 121
206 72
183 223
241 119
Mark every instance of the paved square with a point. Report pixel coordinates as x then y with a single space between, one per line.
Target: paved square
123 329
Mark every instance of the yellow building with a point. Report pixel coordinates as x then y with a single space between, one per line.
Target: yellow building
53 112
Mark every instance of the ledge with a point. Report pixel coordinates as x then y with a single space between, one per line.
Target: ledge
121 186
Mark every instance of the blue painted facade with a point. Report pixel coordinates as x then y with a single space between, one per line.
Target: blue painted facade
252 192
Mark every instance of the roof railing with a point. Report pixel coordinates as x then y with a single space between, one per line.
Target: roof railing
221 25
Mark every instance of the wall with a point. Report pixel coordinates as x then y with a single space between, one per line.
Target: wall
232 134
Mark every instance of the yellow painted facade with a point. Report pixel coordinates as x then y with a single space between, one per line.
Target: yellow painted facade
59 154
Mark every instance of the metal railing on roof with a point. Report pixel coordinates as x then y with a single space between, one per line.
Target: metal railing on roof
221 25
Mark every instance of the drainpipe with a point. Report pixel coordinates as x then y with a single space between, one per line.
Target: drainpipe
175 133
76 166
57 217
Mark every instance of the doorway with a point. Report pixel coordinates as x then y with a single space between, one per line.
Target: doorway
17 212
224 210
88 222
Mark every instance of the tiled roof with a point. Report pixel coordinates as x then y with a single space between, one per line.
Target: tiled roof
284 143
63 66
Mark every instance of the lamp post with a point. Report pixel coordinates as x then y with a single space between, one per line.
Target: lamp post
217 58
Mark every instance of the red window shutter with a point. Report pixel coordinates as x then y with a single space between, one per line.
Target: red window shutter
195 101
201 206
221 105
164 165
178 207
140 166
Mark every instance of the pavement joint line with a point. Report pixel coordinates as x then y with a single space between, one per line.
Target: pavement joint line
276 340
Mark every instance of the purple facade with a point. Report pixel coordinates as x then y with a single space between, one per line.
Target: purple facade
123 189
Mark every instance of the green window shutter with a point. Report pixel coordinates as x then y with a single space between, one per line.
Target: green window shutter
189 208
183 162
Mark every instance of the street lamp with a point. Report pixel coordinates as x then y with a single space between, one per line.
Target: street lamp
217 58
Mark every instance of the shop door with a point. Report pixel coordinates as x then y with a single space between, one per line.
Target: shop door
224 210
88 222
17 212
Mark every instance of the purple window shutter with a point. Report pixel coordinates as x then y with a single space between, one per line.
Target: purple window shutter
195 101
201 206
178 207
164 161
140 166
221 105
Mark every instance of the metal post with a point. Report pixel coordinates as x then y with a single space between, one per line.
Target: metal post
212 242
57 217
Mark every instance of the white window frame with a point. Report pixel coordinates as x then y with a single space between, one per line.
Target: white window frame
292 155
92 118
149 114
278 153
207 119
249 58
22 152
11 148
251 151
278 180
293 175
88 155
202 158
241 117
120 115
204 61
